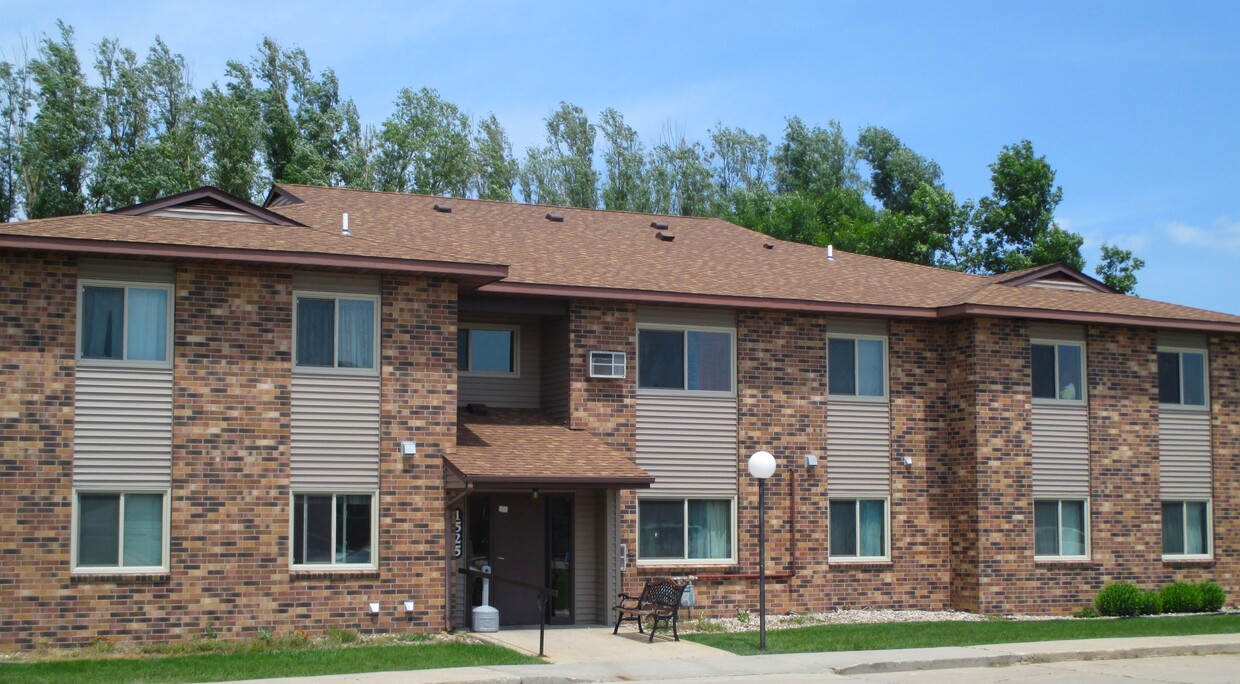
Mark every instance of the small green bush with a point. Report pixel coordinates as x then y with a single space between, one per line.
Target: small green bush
1181 597
1086 612
1212 597
1151 603
1119 600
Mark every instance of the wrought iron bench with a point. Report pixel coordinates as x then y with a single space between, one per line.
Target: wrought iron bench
659 602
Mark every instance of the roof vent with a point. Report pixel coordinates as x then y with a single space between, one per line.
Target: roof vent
830 252
666 237
344 225
443 208
661 225
558 218
767 245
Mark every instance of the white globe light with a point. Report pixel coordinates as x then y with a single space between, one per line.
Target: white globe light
762 465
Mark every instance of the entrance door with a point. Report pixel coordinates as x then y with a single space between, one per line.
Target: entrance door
519 552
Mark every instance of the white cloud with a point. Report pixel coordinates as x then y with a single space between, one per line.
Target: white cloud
1223 234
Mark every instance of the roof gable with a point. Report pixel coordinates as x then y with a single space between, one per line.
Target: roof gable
207 203
1055 277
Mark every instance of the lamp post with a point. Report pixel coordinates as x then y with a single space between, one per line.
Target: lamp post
762 466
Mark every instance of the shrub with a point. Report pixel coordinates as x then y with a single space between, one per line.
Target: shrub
1212 597
340 637
1086 612
1181 597
1151 603
1119 600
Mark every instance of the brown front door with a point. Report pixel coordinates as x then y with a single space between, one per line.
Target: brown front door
519 552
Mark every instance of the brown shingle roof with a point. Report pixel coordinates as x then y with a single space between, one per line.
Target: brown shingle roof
524 447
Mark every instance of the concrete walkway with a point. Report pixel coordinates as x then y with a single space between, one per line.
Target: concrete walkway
596 644
722 666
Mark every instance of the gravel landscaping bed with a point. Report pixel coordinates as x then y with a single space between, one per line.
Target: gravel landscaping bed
749 621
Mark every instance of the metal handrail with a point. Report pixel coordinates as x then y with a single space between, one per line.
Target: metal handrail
544 593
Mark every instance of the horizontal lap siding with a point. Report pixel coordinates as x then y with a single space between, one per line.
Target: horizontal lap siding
335 432
587 574
1060 450
123 428
1184 454
688 444
858 448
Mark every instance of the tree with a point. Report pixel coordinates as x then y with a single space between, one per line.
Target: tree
357 163
495 169
1119 268
57 143
15 103
124 86
232 131
680 176
563 172
424 146
624 186
896 171
741 162
177 150
815 160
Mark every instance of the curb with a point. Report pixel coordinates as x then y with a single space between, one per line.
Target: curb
938 664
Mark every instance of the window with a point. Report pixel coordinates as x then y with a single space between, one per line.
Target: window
1186 528
858 529
1060 528
121 531
685 530
487 350
1058 371
336 332
1182 377
124 323
334 529
857 366
684 359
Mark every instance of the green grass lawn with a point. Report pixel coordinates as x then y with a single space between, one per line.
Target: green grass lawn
864 637
296 663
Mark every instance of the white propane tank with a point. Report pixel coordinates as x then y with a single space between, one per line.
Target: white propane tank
486 618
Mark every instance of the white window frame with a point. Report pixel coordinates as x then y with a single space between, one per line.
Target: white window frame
855 396
1205 380
76 530
1209 554
469 350
1087 522
731 332
1083 389
686 561
333 566
886 557
125 285
335 368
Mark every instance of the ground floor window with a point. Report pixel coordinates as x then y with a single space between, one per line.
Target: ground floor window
858 529
674 530
1061 528
334 529
1186 528
122 531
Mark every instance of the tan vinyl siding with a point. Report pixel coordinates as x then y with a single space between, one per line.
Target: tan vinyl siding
342 283
335 432
1184 453
520 391
1057 332
688 443
1060 451
587 571
126 271
1054 284
122 428
690 318
857 326
858 448
554 367
207 214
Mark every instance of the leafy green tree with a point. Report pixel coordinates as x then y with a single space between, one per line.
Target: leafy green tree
495 168
424 146
274 68
1119 268
680 176
625 185
232 131
563 172
815 160
57 143
123 90
15 103
177 148
741 162
357 164
897 172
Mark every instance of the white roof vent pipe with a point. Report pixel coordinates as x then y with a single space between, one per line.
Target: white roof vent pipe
830 252
344 225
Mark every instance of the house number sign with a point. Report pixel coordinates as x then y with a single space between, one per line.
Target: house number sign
456 533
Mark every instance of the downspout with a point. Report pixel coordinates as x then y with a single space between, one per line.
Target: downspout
447 553
792 513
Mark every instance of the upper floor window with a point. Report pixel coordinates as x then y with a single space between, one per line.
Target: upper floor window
857 366
1058 370
1182 377
126 323
336 332
684 359
487 349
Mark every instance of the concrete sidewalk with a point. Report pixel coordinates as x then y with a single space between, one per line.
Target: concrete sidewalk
841 663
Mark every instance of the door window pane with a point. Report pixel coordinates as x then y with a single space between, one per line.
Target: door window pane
353 528
1194 369
1196 528
357 333
148 325
491 351
661 359
316 323
843 524
102 326
873 527
710 529
1046 528
1173 528
710 361
1070 386
1168 377
1043 369
870 368
99 518
144 536
1073 519
462 349
662 529
841 367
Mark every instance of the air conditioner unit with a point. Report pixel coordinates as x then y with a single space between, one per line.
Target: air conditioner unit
607 364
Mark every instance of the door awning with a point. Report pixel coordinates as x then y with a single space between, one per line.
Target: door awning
522 448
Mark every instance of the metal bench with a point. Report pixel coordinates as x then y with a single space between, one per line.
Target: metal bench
659 602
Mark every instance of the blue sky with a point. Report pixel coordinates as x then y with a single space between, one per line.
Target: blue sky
1135 104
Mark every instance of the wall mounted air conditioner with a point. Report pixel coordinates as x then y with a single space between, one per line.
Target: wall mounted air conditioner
607 364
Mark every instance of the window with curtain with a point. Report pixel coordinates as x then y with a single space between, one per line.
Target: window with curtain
336 332
858 529
1186 528
857 366
1182 378
487 350
124 323
120 531
1058 371
333 529
684 359
684 530
1060 528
